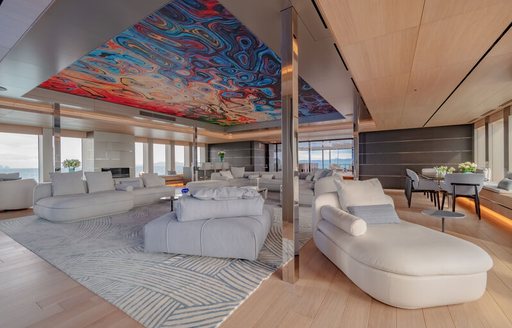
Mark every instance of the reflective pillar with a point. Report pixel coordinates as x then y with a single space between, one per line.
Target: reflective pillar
56 137
289 139
194 163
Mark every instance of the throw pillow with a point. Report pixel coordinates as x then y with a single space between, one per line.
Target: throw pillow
253 176
318 174
67 183
136 183
267 176
505 184
309 177
227 174
152 180
345 221
375 214
99 181
237 172
508 175
124 187
357 193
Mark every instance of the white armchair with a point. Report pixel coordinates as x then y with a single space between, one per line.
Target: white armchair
16 194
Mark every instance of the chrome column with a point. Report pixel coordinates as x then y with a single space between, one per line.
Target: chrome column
289 138
194 165
56 137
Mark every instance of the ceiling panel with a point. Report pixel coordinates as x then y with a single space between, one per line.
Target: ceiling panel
488 86
407 58
190 59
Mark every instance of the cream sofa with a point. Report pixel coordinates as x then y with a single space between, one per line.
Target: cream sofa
403 265
83 206
16 194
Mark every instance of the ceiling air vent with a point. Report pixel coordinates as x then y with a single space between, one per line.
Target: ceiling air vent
157 116
319 14
341 57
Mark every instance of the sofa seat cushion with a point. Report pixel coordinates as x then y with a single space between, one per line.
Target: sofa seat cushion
84 200
410 249
162 190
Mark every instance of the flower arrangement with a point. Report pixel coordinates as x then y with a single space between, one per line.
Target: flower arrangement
221 155
467 167
442 170
71 164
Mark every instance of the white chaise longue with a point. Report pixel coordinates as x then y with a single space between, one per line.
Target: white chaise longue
402 264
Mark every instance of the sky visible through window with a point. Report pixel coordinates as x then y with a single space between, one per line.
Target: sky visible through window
19 153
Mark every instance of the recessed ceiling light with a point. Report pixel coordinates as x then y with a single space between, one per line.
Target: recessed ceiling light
2 88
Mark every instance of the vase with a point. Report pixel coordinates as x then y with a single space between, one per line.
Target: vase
71 169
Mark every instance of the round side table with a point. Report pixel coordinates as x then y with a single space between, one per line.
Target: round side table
443 215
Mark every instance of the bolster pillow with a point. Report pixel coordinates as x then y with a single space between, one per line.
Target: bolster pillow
345 221
191 209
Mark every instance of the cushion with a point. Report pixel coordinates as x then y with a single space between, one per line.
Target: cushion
508 175
343 220
226 174
505 184
99 181
9 176
318 174
267 176
375 214
356 193
124 187
237 172
152 180
136 183
278 175
253 176
191 208
225 193
67 183
310 177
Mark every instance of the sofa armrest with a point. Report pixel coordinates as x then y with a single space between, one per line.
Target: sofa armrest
42 190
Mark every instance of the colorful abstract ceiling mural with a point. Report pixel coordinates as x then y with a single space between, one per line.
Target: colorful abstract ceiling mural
192 59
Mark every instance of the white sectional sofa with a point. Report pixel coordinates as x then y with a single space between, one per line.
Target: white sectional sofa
87 202
404 265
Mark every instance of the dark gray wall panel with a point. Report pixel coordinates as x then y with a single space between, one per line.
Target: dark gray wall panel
249 154
386 154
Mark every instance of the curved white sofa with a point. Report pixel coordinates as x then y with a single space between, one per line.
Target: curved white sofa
404 265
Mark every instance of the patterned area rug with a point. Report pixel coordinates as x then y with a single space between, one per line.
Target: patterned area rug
158 290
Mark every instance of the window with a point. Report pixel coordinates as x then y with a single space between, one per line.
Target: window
317 156
159 159
70 148
20 153
179 153
304 157
139 158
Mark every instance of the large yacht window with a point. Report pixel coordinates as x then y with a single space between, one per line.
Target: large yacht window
139 158
19 153
159 159
70 148
179 153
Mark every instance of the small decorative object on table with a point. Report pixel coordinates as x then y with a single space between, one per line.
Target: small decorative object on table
71 164
221 155
467 167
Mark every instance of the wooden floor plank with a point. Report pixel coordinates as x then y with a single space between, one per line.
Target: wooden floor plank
410 318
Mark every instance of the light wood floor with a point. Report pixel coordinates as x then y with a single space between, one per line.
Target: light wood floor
33 293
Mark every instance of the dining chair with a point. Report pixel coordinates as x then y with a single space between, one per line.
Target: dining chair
466 185
414 184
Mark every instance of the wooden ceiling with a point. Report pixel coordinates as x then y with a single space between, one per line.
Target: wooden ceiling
408 56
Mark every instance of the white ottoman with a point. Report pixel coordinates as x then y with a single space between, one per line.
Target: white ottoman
235 237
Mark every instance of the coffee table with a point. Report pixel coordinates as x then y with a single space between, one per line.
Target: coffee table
443 215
